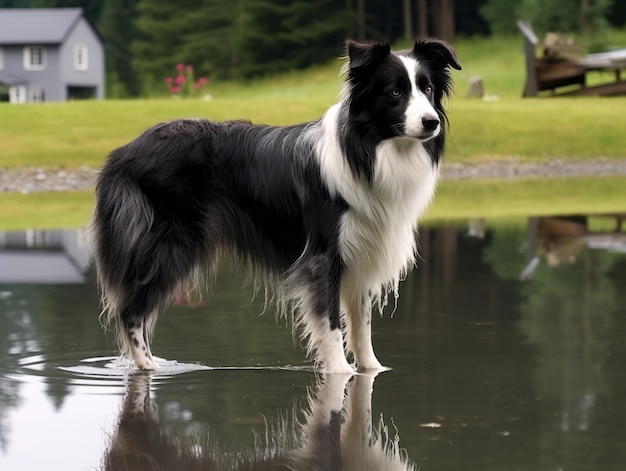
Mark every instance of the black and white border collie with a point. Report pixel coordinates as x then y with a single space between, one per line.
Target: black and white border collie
323 214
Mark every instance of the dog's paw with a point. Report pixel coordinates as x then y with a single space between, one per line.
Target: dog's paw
371 366
372 369
145 363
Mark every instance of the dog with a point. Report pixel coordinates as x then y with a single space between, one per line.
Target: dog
323 214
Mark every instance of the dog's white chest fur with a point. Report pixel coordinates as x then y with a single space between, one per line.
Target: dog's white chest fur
378 230
377 239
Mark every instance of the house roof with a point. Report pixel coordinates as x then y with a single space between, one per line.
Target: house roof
37 25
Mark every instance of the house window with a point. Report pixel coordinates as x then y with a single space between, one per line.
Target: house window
34 58
81 57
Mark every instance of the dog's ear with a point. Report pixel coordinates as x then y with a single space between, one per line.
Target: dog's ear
437 52
365 55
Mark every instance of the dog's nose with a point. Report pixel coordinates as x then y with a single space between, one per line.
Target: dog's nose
430 122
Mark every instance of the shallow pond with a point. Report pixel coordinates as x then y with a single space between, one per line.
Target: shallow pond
507 349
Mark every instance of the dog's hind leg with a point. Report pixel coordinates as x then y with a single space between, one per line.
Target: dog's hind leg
135 343
173 269
358 318
164 265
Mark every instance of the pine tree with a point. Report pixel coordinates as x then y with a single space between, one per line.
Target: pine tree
162 26
277 35
210 39
193 32
117 28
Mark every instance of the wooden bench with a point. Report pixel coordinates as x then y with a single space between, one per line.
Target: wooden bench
549 72
562 65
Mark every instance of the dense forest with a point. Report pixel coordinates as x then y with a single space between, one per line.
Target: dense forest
144 39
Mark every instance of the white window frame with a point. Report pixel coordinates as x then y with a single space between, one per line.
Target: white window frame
81 57
29 56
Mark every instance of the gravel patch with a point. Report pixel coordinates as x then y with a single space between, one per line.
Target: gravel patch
553 168
29 180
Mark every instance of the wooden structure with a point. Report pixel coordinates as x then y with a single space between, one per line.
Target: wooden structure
562 65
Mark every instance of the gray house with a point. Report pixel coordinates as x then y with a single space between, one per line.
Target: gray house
49 55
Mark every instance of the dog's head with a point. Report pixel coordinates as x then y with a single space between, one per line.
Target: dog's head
394 96
399 94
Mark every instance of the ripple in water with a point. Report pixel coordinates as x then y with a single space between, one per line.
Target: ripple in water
121 366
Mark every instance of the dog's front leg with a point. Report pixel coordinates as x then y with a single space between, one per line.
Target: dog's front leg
315 280
358 317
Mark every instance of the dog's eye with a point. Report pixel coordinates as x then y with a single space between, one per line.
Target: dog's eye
428 90
395 92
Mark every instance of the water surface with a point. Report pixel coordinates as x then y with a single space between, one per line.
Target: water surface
489 372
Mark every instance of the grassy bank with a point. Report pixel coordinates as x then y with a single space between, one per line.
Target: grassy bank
454 200
58 210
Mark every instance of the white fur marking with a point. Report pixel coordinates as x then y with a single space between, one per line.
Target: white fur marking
377 237
419 106
139 350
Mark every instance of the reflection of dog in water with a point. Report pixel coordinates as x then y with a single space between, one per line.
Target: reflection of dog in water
336 434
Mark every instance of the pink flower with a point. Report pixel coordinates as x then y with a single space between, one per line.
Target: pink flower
179 84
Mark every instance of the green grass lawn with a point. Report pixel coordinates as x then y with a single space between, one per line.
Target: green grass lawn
67 135
535 197
54 210
73 134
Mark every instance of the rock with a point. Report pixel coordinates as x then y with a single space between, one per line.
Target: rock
476 87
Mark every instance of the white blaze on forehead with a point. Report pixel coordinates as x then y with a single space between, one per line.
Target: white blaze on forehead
419 106
411 68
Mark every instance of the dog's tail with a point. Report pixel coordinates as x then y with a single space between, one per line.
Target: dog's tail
143 258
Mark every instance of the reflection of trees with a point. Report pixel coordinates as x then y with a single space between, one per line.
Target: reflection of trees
67 317
504 253
52 325
17 339
567 314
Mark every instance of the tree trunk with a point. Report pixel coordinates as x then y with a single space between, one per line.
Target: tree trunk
408 30
422 18
584 18
445 20
360 15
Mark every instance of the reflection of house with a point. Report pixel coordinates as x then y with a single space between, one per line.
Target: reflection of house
52 256
49 55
